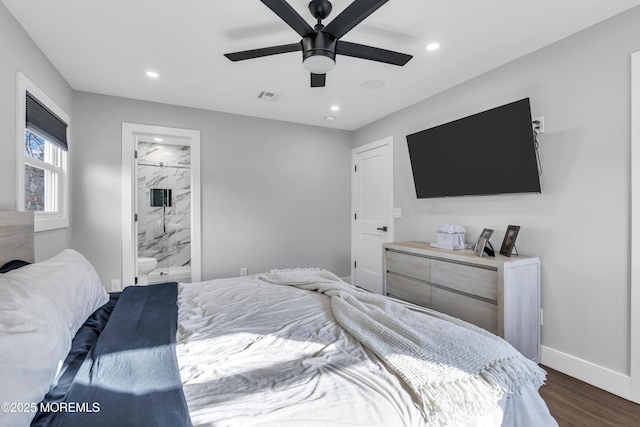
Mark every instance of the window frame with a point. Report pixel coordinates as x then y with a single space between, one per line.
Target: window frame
43 221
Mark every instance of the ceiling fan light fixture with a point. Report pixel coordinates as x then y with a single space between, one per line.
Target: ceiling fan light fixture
319 63
319 52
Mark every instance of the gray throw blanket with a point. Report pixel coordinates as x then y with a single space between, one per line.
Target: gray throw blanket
456 369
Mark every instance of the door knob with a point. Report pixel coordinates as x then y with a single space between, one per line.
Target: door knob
382 228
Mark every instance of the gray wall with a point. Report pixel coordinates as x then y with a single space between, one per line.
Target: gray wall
580 224
274 194
19 53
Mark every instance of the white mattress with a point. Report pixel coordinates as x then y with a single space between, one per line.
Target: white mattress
257 354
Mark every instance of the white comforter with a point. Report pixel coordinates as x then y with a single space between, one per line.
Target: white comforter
257 354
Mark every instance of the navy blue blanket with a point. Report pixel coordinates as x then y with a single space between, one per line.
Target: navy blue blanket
130 375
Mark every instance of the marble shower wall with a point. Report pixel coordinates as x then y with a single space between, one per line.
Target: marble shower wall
164 233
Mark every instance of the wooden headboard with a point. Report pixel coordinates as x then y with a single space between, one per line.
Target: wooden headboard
16 236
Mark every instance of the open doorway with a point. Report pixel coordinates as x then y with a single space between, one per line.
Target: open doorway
160 205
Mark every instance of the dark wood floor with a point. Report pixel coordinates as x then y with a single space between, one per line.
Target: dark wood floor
574 403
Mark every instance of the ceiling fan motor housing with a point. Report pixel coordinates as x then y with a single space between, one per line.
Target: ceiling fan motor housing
319 43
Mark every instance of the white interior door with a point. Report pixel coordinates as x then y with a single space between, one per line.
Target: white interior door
372 223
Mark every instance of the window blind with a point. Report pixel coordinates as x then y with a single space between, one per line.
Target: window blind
45 123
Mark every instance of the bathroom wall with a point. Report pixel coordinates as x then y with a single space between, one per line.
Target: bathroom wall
164 233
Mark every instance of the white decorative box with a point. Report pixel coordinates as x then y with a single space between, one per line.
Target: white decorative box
450 236
451 239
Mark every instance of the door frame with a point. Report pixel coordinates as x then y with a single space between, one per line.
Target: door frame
390 171
130 133
634 375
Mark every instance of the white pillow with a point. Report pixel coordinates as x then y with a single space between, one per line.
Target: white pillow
71 281
42 306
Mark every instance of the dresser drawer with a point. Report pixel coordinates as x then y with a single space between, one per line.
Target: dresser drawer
465 278
472 310
409 290
500 294
409 265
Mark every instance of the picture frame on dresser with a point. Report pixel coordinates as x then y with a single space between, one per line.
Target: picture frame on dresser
483 245
509 242
480 245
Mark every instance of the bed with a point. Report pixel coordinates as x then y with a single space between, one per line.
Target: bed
292 347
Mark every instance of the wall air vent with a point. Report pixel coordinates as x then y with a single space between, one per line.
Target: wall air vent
269 96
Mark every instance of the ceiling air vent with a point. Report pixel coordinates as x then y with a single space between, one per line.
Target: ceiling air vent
269 96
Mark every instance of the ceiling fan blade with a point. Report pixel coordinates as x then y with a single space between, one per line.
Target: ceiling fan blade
290 16
265 51
372 53
318 80
355 13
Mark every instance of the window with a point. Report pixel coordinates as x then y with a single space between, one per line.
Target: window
42 157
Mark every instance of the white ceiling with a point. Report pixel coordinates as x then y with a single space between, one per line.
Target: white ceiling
106 47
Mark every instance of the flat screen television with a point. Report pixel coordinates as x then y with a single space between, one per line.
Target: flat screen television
492 152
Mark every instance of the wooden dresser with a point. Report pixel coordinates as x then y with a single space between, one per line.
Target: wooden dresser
499 294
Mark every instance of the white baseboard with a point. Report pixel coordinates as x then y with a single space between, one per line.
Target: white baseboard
598 376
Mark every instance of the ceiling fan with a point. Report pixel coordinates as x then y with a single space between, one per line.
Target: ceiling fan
321 44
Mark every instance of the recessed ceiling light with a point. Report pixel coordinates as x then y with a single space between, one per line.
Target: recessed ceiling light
329 118
335 108
158 139
152 74
433 46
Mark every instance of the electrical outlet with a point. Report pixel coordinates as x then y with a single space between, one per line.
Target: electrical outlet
538 124
397 212
244 271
